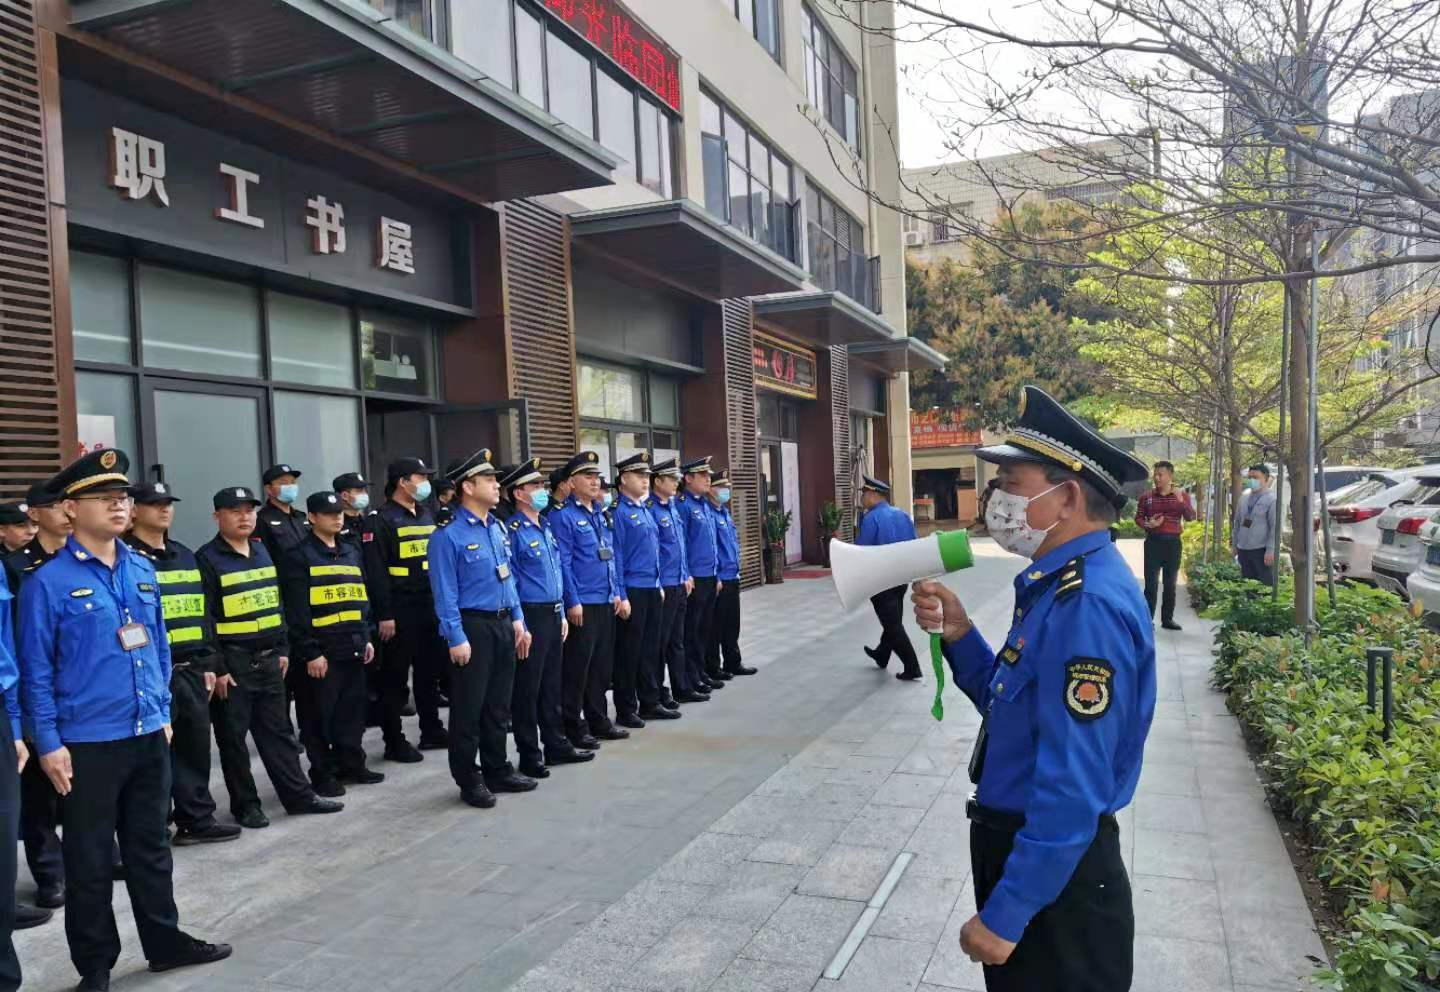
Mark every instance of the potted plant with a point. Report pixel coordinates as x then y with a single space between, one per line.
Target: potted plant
830 520
777 523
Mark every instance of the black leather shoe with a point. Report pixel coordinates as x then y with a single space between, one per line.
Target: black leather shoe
404 752
874 656
362 777
534 771
478 796
585 742
328 787
1171 625
712 684
514 782
442 701
571 757
720 676
253 819
692 697
96 981
631 720
30 916
315 805
438 741
741 670
908 676
613 734
214 833
668 703
660 713
53 896
198 952
408 709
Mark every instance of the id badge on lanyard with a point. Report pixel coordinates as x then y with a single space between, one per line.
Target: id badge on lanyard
132 636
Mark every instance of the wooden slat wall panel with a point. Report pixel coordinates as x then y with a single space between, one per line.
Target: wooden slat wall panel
542 329
840 418
30 435
738 317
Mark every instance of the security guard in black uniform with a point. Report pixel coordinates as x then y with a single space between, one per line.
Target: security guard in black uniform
240 580
443 506
405 610
327 610
354 494
280 526
190 631
16 527
559 489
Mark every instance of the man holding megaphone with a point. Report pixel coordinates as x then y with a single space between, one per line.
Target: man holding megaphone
1067 703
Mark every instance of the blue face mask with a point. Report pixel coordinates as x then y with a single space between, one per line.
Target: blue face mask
606 499
422 491
539 499
289 493
723 495
361 502
1252 484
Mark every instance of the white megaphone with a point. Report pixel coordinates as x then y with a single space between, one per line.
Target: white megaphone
861 572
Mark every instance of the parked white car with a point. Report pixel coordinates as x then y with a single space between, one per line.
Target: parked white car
1354 530
1399 551
1424 583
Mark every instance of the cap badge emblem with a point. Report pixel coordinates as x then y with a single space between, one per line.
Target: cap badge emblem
107 460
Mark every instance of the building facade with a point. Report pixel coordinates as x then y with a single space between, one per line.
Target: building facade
332 232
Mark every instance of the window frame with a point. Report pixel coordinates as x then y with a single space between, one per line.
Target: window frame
849 249
836 68
752 26
784 244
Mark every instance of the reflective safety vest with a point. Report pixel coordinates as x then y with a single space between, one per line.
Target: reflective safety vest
337 596
325 596
182 595
246 599
412 546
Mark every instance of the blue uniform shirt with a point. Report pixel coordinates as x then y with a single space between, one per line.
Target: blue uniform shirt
587 554
885 524
1070 699
535 554
463 562
9 670
700 545
727 544
637 545
670 526
79 684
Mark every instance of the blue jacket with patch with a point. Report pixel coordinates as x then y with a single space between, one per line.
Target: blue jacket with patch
464 559
727 544
670 526
535 553
701 546
885 524
637 545
587 554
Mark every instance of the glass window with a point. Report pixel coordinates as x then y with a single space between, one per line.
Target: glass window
310 341
611 393
320 435
199 324
480 35
745 10
664 400
739 197
190 427
617 121
100 305
713 157
571 94
709 115
760 213
530 56
736 138
397 355
665 445
831 83
597 440
105 414
767 26
411 15
650 123
759 160
628 443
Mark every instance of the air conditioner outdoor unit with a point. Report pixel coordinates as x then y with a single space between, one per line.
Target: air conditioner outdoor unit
914 239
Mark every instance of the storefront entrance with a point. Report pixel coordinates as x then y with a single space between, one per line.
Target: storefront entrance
779 425
445 435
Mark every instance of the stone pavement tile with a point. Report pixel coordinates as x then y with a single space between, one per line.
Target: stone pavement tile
823 754
749 975
959 783
542 979
1170 752
1257 844
1164 779
707 859
900 789
1168 729
949 967
793 780
799 840
1239 812
1175 855
1171 964
1227 781
329 971
929 758
882 826
847 872
835 802
1255 890
888 745
882 964
691 956
753 892
1279 953
757 816
805 930
647 912
919 908
1182 814
1176 907
871 762
865 781
952 861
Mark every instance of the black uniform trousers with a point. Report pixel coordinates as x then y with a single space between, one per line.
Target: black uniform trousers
1082 942
699 624
257 706
1162 555
39 822
669 653
331 710
9 824
588 652
480 698
890 608
417 646
1252 565
120 788
192 804
722 647
535 701
637 652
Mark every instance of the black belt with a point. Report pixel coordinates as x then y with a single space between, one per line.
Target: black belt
556 606
487 614
1003 820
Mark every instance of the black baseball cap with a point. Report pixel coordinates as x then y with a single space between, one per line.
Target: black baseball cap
153 493
401 468
350 480
324 502
275 471
41 494
229 498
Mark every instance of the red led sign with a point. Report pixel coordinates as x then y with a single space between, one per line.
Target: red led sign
784 367
616 33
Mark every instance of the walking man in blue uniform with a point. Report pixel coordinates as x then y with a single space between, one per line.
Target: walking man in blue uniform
703 560
722 650
479 611
886 524
96 685
1067 704
676 582
535 714
637 560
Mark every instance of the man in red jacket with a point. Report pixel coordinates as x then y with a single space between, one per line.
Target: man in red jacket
1162 512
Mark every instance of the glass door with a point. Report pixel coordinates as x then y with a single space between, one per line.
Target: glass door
443 435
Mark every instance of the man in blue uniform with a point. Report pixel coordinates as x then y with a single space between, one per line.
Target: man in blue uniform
1067 704
96 686
592 601
535 712
676 582
15 756
479 611
637 561
886 524
722 652
703 559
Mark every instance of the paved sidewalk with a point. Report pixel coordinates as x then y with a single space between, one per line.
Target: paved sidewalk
763 899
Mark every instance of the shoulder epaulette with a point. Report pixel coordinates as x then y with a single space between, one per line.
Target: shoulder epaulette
515 524
1072 578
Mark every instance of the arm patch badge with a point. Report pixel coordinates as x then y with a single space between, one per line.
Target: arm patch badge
1088 687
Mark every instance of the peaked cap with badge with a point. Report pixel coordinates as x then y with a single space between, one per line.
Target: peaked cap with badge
668 469
102 470
477 464
700 466
638 462
874 485
1049 434
522 474
584 463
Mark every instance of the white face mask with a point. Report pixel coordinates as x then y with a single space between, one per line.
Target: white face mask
1007 523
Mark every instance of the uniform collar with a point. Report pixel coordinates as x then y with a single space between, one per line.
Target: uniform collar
1056 559
632 502
122 550
474 521
884 504
324 548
